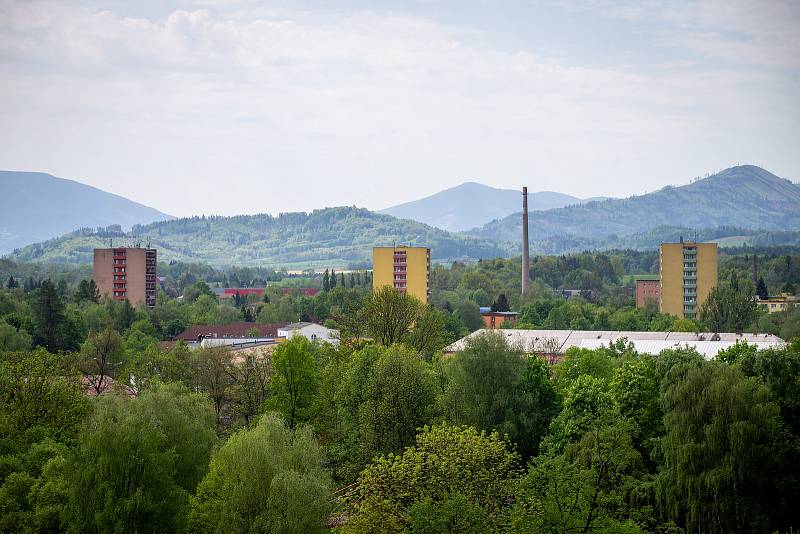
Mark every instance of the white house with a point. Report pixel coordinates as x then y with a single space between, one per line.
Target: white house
311 331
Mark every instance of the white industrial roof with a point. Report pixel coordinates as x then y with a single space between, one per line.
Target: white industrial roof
559 341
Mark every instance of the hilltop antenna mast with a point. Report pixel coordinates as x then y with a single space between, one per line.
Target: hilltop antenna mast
526 261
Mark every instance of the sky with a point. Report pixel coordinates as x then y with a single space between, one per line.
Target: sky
229 107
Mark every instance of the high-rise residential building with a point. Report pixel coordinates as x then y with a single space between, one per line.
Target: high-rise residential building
406 269
688 272
126 273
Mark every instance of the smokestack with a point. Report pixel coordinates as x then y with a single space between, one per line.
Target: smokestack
526 260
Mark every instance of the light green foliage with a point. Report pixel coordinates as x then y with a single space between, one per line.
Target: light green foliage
12 339
267 479
493 386
588 406
429 333
39 398
294 379
736 352
470 469
635 388
723 451
138 461
454 514
684 325
389 315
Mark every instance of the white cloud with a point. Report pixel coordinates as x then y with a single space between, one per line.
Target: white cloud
242 109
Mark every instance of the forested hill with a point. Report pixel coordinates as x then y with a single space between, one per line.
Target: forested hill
328 236
472 204
35 206
745 197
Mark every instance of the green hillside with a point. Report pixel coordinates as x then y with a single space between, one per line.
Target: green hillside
744 196
331 236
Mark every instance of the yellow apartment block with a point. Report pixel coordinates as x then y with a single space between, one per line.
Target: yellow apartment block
406 269
688 272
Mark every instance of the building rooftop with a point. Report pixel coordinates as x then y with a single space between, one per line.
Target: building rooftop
233 330
647 277
559 341
296 326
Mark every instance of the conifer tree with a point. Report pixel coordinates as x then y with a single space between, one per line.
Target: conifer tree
48 313
341 280
352 280
761 289
12 283
332 279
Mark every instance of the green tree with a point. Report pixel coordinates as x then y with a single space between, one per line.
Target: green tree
102 356
728 310
761 288
724 453
470 315
326 283
38 398
266 479
332 279
12 339
585 489
139 460
212 373
429 333
87 291
48 316
399 397
493 386
294 378
389 315
635 388
473 470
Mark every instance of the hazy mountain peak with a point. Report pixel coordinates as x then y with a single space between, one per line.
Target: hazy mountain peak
36 206
472 204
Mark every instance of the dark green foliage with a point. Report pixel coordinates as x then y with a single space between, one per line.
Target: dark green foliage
138 461
87 291
493 387
48 316
399 397
728 309
585 489
724 453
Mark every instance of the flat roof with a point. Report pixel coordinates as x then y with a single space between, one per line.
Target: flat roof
559 341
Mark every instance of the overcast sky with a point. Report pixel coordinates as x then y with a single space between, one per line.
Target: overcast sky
227 107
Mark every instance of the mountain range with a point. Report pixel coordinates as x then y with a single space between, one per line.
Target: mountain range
35 206
744 204
471 204
745 196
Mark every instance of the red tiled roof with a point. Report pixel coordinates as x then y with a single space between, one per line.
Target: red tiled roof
228 330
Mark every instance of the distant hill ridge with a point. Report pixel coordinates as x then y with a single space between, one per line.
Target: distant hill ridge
472 204
322 237
740 205
35 206
745 196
